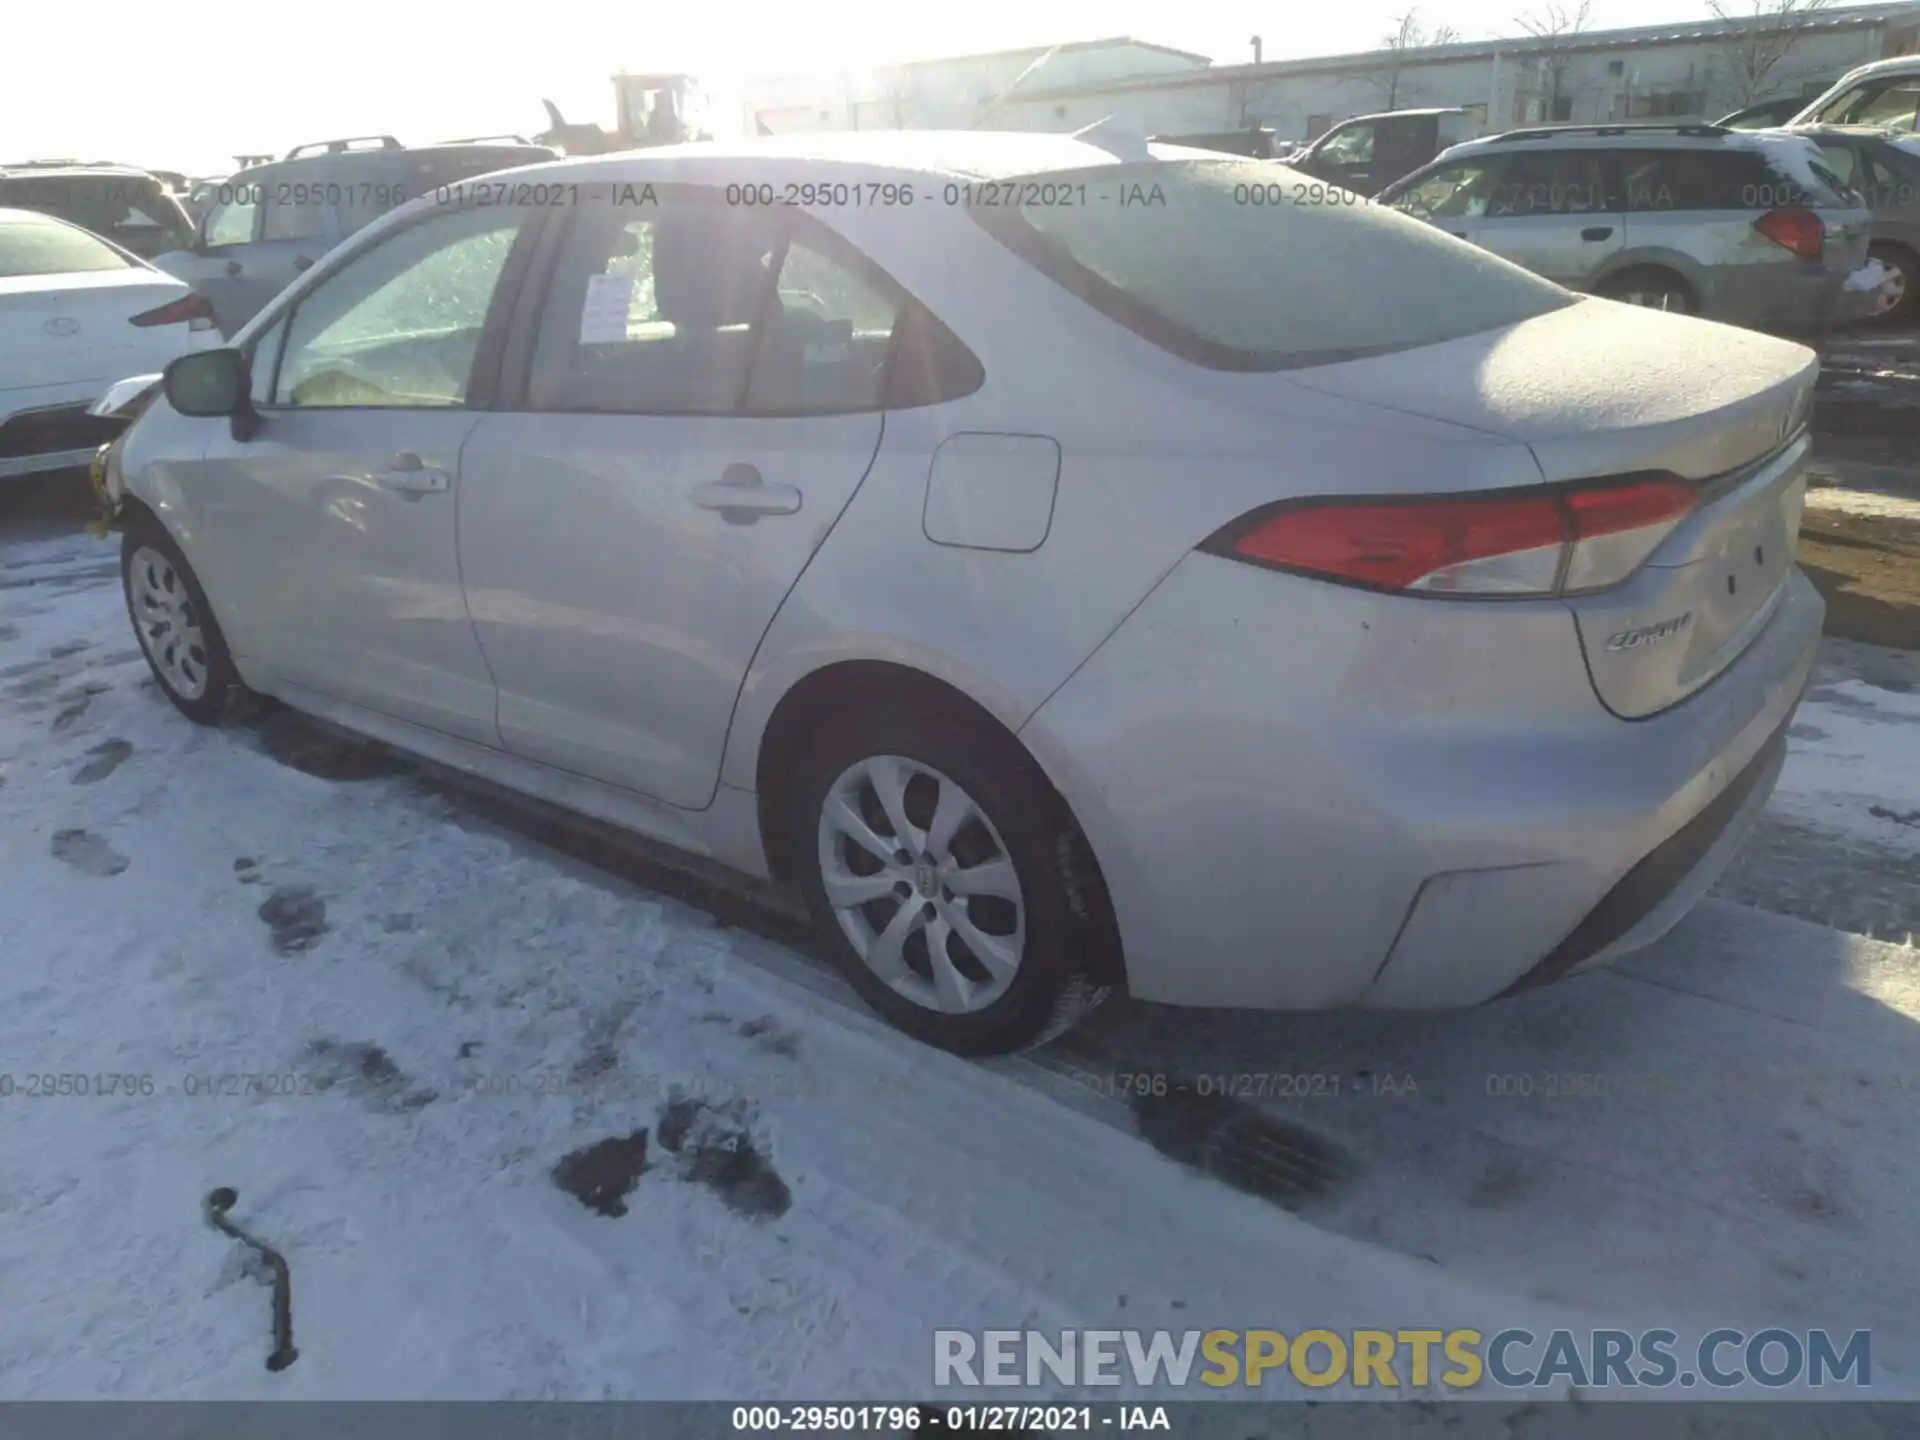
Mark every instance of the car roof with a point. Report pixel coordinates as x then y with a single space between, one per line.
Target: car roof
74 172
404 156
1588 137
971 154
1892 65
1411 110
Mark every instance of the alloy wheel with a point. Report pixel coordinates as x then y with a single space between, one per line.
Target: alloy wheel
921 884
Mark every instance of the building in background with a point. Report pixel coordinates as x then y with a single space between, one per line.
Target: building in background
1694 70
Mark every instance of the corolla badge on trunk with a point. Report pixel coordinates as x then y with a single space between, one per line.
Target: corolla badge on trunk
62 326
1649 634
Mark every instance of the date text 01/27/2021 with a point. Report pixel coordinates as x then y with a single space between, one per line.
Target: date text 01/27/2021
956 1419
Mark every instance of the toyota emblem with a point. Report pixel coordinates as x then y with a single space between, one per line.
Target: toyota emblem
62 325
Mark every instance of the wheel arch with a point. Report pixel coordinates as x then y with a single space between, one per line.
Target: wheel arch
1672 262
812 700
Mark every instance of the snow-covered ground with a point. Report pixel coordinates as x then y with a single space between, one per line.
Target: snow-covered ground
385 1022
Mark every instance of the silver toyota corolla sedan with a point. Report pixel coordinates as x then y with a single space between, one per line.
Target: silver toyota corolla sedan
984 531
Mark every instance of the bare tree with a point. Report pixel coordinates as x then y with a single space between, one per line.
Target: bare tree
1558 27
1407 34
1754 54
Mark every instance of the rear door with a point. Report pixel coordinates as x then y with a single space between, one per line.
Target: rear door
702 399
1549 211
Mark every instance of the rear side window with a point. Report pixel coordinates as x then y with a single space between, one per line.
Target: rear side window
33 246
1730 179
1174 251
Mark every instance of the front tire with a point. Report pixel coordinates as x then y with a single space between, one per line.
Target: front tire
946 877
175 626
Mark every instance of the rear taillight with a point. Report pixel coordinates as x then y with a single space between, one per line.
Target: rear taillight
191 308
1558 542
1798 230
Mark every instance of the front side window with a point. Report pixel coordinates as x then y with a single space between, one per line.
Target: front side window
400 324
1176 255
1894 104
1350 147
1452 192
1550 182
34 245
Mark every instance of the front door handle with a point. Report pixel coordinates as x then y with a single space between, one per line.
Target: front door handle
1596 232
743 496
301 262
409 476
233 267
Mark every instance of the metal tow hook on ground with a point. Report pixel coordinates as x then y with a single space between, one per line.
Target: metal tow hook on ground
218 1203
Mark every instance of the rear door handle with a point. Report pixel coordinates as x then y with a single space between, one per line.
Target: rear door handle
410 477
1596 232
233 267
743 496
301 262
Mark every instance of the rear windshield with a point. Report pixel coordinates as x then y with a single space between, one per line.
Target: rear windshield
31 246
1240 265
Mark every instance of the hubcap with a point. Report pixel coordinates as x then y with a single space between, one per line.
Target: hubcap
167 623
922 885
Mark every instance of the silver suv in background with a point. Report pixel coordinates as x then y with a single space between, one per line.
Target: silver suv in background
1747 227
265 225
1885 94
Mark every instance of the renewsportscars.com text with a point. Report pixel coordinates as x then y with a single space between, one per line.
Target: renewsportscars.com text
1458 1359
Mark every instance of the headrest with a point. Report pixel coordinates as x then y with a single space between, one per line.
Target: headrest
710 268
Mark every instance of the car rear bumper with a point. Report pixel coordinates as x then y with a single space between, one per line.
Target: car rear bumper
1792 296
1306 796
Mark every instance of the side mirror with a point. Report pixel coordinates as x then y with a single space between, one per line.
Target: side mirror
209 383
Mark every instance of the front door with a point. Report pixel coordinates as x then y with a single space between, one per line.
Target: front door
335 523
702 400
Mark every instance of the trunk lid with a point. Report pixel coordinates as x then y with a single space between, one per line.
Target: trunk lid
59 329
1602 389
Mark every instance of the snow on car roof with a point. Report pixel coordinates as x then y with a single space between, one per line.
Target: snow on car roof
980 154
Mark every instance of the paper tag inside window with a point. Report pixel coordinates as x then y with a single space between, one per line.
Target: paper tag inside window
603 318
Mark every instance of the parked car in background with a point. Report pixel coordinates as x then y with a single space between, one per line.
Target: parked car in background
76 315
1749 227
1885 94
132 208
1767 115
1370 152
1884 166
1387 628
265 225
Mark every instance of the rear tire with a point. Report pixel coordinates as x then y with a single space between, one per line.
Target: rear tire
1901 293
175 626
976 930
1650 288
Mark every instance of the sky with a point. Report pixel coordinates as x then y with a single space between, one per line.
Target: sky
155 85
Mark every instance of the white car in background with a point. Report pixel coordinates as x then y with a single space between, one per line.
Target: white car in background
77 314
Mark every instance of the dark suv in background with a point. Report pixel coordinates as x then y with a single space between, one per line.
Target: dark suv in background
132 208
